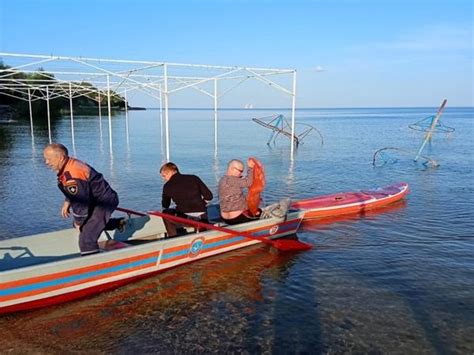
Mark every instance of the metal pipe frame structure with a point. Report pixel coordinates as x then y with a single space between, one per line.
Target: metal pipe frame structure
73 77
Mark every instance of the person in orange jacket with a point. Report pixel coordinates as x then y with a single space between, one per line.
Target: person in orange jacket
88 196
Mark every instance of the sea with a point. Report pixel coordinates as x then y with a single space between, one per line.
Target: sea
398 280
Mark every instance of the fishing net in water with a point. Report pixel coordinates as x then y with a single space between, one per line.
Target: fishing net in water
279 125
391 155
426 125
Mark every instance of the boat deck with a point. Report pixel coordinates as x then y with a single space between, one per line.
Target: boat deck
61 245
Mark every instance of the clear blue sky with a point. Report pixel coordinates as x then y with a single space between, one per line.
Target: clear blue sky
369 53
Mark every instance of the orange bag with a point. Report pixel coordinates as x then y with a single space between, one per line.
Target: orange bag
258 184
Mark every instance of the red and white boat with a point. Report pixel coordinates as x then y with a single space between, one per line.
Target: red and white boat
46 269
350 202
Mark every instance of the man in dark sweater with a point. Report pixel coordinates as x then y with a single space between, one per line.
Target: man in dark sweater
188 192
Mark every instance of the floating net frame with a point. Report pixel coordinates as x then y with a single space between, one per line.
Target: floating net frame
425 124
383 157
279 125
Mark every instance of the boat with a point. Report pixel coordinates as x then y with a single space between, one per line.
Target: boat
323 223
46 269
343 203
242 269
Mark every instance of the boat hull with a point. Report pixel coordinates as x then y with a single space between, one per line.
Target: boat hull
350 202
47 283
46 269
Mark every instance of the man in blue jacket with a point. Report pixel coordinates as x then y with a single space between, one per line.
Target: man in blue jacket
88 196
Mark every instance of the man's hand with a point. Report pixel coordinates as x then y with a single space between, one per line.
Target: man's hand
65 209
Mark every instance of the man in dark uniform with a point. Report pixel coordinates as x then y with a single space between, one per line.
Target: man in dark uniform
188 192
88 196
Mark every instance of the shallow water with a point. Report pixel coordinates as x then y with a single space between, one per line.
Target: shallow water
396 280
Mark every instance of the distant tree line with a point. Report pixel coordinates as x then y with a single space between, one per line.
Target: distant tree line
84 102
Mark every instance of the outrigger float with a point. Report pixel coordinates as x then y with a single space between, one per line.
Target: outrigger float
45 269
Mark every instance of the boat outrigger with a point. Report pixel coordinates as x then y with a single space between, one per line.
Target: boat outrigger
351 202
46 269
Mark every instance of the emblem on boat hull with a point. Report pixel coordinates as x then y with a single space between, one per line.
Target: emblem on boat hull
273 230
196 247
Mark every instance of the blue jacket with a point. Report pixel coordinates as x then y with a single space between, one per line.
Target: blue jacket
85 189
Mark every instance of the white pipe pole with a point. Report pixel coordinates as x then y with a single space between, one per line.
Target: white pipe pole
167 133
110 113
31 114
215 116
49 114
293 106
72 118
100 112
161 114
432 128
105 60
126 116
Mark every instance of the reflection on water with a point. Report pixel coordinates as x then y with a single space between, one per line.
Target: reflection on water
148 314
326 222
393 280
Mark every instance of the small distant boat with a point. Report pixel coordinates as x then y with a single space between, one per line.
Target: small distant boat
351 202
248 106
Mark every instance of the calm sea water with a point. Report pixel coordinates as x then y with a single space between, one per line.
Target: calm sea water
396 280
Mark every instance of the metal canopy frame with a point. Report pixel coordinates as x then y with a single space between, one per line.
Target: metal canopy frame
74 75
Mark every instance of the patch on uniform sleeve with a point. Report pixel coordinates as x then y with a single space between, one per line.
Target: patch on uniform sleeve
72 188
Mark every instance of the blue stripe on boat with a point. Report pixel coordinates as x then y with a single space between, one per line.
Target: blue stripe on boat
175 253
67 279
105 271
225 242
222 242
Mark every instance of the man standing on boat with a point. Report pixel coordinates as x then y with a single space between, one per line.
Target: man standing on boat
188 192
89 196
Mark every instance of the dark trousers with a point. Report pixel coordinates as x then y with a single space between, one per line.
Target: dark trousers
92 228
241 218
202 218
171 226
245 216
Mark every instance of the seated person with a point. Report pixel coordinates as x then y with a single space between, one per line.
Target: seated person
233 203
188 192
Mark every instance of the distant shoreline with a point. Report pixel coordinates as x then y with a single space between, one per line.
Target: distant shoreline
309 108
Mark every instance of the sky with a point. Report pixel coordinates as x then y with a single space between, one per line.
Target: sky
347 53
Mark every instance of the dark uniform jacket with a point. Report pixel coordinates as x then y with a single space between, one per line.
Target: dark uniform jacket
85 189
188 193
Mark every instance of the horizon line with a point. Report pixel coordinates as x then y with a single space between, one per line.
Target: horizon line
301 108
